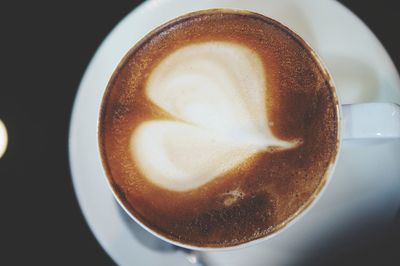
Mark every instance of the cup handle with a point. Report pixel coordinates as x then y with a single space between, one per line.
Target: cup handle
371 121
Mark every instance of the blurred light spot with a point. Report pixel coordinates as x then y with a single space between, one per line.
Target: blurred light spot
3 138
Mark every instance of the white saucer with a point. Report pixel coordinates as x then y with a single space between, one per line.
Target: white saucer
367 178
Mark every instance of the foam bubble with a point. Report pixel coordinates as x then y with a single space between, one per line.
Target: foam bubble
217 92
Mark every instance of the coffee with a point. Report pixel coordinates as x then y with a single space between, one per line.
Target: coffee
218 128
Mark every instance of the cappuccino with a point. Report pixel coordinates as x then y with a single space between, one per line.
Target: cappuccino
218 128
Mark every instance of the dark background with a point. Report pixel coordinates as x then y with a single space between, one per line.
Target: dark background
45 48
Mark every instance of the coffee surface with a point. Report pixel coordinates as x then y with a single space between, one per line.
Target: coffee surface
218 128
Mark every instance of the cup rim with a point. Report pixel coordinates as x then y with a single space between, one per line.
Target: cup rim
295 216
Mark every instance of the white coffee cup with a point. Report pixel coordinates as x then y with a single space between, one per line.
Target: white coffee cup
364 121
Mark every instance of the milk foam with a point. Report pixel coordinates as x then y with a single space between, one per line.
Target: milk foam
216 91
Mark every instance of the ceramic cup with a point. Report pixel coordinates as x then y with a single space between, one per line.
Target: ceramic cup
365 121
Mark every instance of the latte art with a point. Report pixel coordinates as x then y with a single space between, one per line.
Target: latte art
218 128
216 91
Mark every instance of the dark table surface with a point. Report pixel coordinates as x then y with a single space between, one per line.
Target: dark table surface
45 50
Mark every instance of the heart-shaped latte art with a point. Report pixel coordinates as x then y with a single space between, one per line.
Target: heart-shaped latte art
217 92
